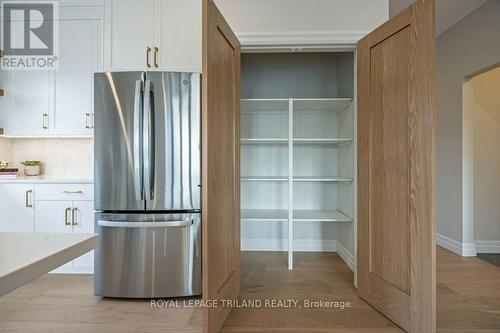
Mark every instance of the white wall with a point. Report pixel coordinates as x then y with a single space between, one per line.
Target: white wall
466 48
448 12
61 158
486 96
299 16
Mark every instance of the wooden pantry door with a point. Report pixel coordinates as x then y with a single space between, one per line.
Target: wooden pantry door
396 168
220 165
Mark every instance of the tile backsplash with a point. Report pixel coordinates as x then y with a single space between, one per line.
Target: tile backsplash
6 153
61 158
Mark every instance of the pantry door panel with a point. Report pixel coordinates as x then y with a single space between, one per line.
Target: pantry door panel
220 165
396 170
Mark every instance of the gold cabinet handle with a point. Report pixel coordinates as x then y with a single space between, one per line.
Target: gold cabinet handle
45 121
27 198
87 116
156 57
66 211
73 216
148 52
73 192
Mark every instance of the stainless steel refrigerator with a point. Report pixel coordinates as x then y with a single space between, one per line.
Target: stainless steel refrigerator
147 153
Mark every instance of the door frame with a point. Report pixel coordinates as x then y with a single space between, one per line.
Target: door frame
470 246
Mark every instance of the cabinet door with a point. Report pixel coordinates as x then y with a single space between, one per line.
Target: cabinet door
220 167
78 59
83 222
53 216
178 35
16 208
27 96
27 100
396 168
128 33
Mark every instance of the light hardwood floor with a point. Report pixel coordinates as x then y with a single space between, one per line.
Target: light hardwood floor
468 301
59 303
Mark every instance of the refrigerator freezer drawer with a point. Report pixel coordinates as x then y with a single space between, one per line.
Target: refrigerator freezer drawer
148 255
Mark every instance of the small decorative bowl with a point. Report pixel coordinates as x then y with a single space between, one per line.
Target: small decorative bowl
33 170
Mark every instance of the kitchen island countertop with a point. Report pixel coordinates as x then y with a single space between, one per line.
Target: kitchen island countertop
27 256
46 180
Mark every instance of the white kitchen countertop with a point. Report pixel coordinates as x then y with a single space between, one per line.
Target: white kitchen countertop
46 180
27 256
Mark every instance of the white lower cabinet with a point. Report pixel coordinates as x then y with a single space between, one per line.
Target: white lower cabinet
66 208
83 212
16 208
52 216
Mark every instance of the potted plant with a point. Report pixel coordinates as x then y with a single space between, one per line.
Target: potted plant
31 168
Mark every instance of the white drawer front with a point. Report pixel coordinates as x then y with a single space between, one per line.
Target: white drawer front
64 192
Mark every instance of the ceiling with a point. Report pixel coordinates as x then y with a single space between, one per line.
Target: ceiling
448 12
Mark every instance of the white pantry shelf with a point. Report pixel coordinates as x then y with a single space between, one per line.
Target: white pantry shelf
319 141
264 214
321 104
264 105
324 215
297 141
299 215
304 179
264 141
264 178
274 127
322 179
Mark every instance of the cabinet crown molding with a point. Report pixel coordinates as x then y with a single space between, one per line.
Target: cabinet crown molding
282 38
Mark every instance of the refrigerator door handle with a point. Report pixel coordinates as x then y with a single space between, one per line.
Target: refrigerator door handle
159 224
138 165
148 135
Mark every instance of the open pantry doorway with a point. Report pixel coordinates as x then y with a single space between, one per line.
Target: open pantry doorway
298 152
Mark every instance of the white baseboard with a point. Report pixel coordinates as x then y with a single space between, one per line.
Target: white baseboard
488 246
346 255
469 250
462 249
300 245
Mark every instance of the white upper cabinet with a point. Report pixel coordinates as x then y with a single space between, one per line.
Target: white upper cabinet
57 102
178 35
128 28
164 35
79 58
27 102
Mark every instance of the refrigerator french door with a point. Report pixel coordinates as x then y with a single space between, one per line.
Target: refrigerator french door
147 184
